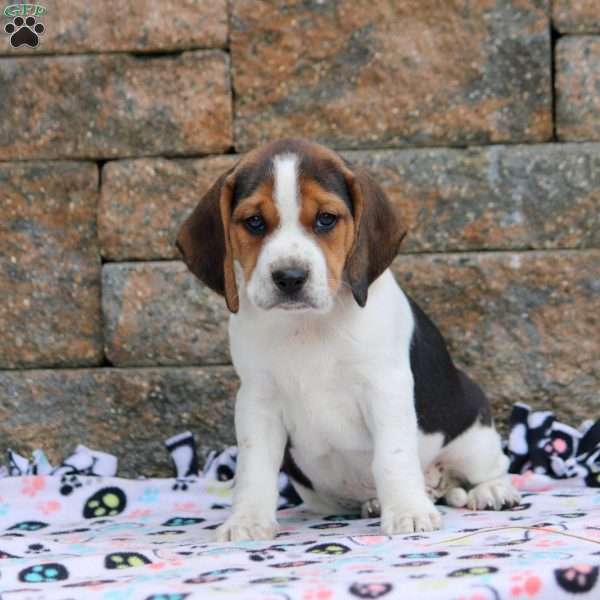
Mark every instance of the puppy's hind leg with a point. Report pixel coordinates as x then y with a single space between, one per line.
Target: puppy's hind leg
476 458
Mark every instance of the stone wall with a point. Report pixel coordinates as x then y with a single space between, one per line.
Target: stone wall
480 119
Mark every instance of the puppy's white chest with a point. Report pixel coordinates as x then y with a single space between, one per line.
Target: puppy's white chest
330 442
321 376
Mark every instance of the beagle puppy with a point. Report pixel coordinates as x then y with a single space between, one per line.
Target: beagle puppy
344 379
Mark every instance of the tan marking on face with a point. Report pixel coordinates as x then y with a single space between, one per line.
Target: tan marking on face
246 246
335 244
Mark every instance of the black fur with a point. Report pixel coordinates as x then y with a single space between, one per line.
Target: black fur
292 469
247 180
328 177
322 170
446 400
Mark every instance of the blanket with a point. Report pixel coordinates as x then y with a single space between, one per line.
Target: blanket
78 531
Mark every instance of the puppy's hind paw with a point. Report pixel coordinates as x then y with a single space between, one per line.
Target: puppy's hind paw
493 495
246 526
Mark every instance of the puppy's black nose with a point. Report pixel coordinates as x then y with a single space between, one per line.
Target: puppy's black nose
290 281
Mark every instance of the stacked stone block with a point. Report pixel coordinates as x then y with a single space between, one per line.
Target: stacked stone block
480 120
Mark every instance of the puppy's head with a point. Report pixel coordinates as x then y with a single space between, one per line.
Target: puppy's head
292 222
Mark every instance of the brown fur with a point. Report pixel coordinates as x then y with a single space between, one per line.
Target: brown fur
337 243
203 244
379 234
245 246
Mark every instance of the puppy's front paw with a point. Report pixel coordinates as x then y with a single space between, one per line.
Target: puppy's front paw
410 519
246 526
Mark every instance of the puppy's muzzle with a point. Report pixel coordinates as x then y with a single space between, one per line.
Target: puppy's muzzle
290 281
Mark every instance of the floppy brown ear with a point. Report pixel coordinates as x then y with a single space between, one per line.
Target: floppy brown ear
203 241
377 237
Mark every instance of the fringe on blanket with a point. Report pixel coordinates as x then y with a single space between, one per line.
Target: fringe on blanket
537 443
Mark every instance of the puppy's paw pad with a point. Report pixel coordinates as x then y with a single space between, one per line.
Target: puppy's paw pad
493 495
394 521
370 509
246 527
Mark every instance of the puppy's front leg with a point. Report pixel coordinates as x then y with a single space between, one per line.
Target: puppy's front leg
261 442
405 506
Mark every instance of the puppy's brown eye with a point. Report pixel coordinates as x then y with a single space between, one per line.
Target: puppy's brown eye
325 222
255 224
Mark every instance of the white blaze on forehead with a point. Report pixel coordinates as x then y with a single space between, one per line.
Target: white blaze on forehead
285 171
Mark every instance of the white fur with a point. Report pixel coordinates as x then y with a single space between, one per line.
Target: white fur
286 189
337 382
